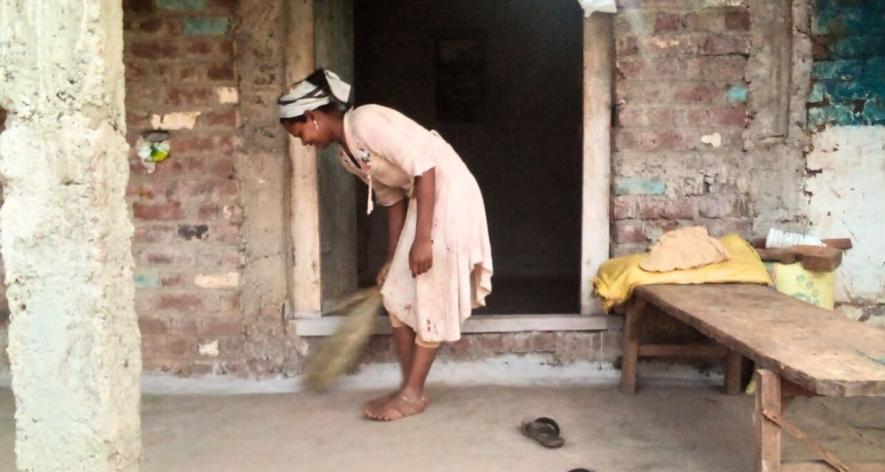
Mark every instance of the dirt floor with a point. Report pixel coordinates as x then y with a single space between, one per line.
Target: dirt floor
475 429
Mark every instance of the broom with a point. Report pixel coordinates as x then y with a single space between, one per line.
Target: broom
340 352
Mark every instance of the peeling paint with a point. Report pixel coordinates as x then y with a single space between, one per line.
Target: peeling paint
639 186
223 280
714 139
846 191
209 349
737 93
227 95
177 120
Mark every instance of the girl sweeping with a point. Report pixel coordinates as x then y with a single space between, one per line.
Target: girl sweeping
439 260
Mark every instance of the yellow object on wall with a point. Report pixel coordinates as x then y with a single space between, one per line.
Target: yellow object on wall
616 278
812 287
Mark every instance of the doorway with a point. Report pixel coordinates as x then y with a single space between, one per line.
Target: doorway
502 82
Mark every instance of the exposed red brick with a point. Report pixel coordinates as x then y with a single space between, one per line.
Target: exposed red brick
650 140
172 280
665 21
158 211
208 190
222 328
726 44
710 21
153 345
712 207
153 233
220 72
209 212
699 93
189 73
151 49
137 121
159 258
189 96
629 232
730 116
681 208
712 68
226 47
230 302
152 326
202 144
220 118
225 258
183 301
651 208
623 208
179 347
138 6
223 168
737 20
221 6
151 25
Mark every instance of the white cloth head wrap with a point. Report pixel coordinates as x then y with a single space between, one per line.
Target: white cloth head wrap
320 88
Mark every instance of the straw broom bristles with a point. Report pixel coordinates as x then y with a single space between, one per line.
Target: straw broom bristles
341 351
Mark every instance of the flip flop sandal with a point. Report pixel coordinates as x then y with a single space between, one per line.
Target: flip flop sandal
543 430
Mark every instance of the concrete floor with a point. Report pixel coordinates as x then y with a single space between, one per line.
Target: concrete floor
474 429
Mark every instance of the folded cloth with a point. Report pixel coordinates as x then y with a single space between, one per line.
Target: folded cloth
616 278
684 248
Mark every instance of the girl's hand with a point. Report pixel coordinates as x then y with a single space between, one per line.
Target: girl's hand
421 256
382 274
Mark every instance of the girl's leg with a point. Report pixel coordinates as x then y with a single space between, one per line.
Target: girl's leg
410 400
422 360
404 345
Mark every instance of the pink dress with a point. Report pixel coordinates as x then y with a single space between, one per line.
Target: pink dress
390 150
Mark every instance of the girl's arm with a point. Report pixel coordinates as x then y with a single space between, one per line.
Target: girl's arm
421 255
396 219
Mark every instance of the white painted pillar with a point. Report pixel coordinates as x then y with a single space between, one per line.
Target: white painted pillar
305 283
66 236
595 229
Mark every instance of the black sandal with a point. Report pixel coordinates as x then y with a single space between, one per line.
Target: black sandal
543 430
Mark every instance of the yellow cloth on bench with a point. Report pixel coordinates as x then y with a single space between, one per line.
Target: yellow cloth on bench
616 278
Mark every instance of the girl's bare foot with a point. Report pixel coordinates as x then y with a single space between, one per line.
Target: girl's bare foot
398 407
376 403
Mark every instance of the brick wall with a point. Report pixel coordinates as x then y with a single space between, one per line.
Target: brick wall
681 113
849 64
179 57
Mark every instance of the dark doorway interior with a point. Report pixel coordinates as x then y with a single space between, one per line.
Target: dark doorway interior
501 81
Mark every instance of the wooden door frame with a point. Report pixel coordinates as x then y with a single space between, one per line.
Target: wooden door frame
598 53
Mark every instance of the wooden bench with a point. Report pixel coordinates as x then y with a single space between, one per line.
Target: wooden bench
799 349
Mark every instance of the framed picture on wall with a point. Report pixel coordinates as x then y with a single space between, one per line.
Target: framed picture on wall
460 76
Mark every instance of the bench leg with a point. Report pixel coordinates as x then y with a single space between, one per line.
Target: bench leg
733 363
631 346
768 434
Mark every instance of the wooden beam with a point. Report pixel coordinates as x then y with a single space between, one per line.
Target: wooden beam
631 346
768 433
598 72
816 447
733 364
682 350
304 280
